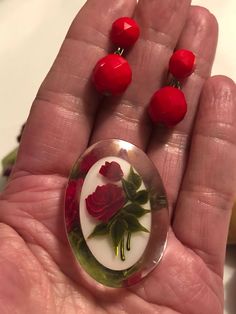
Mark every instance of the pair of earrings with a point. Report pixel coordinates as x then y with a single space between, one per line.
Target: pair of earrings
112 75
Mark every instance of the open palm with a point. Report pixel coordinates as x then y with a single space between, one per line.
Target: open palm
196 161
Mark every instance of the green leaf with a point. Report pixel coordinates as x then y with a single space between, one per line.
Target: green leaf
141 197
136 210
122 249
99 230
117 232
74 173
128 241
129 189
134 178
133 224
10 159
83 254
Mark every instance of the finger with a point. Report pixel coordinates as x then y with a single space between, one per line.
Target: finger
169 148
206 197
161 22
62 114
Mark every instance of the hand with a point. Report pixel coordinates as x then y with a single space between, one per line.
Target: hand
196 160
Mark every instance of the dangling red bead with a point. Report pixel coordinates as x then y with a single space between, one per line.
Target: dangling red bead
112 75
125 32
168 106
182 63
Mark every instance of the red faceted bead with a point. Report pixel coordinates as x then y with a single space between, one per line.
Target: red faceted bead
112 75
168 106
182 64
125 32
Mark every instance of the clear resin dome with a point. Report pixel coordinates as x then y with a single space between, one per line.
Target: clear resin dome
116 213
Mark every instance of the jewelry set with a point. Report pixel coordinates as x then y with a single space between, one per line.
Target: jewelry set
116 208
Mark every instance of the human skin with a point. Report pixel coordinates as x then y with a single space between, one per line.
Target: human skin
196 160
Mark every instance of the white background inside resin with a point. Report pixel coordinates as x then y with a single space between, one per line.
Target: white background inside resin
101 247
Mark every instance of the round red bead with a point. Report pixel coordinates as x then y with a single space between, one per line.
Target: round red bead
125 32
182 63
112 75
168 106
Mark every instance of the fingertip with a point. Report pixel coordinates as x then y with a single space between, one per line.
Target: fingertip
217 109
204 19
220 89
221 81
89 23
200 35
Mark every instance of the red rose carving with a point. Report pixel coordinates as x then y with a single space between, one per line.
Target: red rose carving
105 202
88 162
71 205
112 171
133 280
